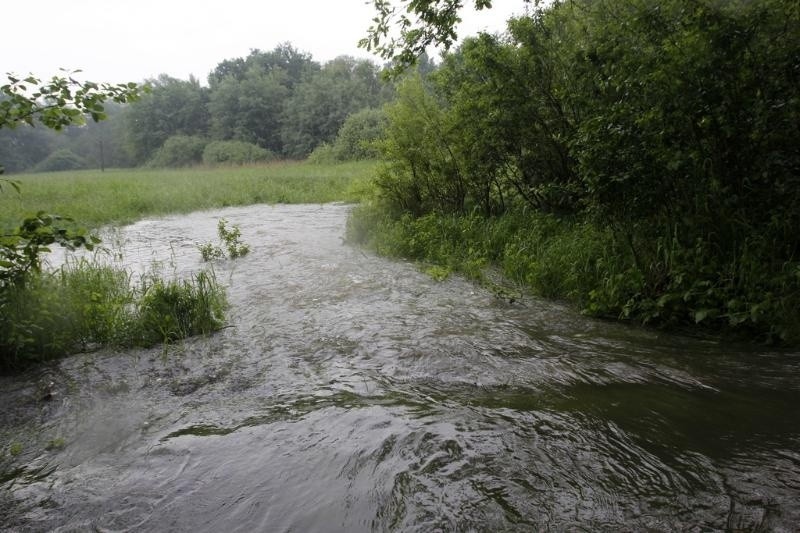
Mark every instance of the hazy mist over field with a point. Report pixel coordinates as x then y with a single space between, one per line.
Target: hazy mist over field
120 42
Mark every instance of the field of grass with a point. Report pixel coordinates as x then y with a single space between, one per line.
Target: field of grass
93 198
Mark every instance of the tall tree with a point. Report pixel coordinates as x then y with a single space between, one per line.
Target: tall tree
319 106
250 109
297 65
173 107
249 95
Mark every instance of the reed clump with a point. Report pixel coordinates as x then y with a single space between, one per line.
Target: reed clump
84 305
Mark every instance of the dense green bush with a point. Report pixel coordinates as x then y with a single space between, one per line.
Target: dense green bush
663 137
179 151
423 172
322 155
60 160
357 137
235 153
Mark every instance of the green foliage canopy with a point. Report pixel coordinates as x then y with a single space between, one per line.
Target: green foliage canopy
420 23
250 109
358 137
673 124
280 100
319 106
179 151
172 107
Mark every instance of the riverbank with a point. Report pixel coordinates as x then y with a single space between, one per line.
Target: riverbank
573 260
89 303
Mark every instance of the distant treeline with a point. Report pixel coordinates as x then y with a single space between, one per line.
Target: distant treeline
276 104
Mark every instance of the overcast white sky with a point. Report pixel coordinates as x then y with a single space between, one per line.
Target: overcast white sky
118 41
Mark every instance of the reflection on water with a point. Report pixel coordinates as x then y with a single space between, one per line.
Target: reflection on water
352 393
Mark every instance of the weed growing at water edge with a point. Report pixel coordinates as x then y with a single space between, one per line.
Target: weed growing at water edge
231 240
210 251
172 310
437 272
84 305
15 449
56 444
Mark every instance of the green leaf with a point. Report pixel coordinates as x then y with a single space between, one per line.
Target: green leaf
700 315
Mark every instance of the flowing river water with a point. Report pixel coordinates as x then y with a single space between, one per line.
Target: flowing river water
355 393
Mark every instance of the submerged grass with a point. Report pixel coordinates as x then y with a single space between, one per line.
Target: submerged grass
84 304
95 198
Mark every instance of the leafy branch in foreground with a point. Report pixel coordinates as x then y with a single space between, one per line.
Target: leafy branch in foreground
59 102
20 251
421 23
43 315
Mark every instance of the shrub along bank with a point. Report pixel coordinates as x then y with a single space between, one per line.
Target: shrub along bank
567 259
638 158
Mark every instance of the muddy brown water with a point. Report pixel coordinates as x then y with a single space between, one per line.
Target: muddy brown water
355 393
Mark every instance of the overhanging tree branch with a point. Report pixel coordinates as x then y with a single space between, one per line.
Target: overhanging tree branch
420 23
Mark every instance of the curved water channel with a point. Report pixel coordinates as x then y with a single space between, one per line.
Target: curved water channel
355 393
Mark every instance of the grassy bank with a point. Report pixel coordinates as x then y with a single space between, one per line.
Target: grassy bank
84 305
553 258
573 260
95 198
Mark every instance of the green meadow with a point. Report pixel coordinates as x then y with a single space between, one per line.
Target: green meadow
93 198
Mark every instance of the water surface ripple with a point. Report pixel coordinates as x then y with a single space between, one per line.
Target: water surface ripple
354 393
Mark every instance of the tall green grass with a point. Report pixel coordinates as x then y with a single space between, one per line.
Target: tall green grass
95 198
555 258
574 260
84 305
